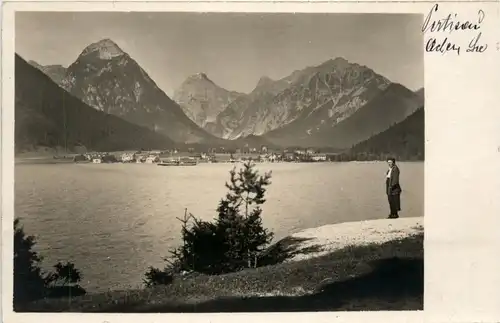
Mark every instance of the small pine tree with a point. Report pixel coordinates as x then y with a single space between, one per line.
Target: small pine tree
234 241
203 247
239 216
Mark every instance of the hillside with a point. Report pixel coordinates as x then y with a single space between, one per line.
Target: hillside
404 141
47 116
253 142
388 107
56 72
420 95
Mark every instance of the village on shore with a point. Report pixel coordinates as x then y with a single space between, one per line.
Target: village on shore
192 157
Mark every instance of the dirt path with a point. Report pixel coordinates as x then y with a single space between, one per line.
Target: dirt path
337 236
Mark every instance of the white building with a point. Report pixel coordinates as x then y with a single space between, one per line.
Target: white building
127 158
319 157
152 159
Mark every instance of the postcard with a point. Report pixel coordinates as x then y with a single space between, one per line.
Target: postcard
219 160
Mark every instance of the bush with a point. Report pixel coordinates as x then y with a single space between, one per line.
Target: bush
31 282
155 276
235 240
65 274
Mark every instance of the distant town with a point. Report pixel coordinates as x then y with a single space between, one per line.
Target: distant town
213 155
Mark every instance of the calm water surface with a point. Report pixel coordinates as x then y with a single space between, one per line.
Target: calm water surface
115 220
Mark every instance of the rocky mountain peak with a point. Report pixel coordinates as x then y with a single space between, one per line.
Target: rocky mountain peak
202 100
264 81
198 79
338 63
109 80
105 49
340 60
199 76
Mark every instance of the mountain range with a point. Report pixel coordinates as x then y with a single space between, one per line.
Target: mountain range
388 107
315 96
109 80
335 104
48 116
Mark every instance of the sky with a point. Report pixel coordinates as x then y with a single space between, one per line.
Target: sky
234 49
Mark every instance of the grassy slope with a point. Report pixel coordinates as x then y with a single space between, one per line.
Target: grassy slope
375 277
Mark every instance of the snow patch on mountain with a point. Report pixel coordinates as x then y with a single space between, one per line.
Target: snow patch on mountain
106 49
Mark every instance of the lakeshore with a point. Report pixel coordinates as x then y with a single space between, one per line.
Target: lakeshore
191 156
333 237
138 204
69 159
364 265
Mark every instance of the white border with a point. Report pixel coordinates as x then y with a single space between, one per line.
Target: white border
462 173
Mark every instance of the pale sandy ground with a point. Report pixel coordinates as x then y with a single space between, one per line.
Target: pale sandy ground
337 236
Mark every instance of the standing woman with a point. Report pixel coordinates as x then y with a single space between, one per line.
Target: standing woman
393 189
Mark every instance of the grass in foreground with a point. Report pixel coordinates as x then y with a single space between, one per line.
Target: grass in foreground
373 277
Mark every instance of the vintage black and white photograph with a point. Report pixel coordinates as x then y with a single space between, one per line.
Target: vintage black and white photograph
218 162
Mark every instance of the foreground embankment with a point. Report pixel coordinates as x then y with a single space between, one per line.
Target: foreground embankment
367 265
338 236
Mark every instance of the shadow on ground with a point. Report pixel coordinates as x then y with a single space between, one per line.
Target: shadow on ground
286 249
393 284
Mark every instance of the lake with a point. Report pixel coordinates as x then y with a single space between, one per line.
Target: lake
115 220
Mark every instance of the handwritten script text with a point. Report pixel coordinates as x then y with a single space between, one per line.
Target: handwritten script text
448 25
